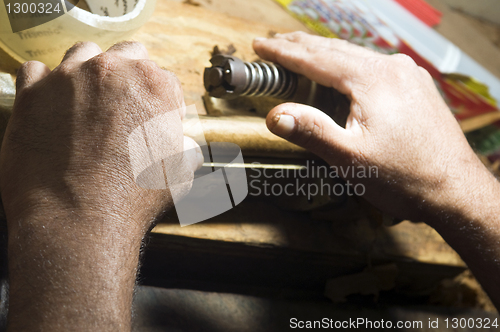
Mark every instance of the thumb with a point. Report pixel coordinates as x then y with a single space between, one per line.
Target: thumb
311 129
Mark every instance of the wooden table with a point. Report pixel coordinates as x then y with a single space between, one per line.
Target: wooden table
261 247
263 243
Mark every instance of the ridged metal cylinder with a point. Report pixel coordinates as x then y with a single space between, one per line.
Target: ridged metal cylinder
268 79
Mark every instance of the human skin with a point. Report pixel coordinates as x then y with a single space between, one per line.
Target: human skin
76 217
399 123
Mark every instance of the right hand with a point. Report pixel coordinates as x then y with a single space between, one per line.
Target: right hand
398 123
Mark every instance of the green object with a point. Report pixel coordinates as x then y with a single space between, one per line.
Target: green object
486 140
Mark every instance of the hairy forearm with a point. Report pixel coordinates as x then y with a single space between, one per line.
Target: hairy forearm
471 225
77 276
399 123
76 215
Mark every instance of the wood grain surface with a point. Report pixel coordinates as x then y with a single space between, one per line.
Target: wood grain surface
181 37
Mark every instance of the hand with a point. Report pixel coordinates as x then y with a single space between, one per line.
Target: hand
75 215
398 123
67 141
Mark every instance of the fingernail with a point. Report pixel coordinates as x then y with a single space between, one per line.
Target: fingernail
284 125
259 39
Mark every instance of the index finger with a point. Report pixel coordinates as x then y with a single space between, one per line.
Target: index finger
81 52
332 43
327 66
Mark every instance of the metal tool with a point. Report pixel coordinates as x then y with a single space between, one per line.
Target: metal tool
230 77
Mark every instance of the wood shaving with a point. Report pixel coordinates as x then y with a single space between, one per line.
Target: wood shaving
229 51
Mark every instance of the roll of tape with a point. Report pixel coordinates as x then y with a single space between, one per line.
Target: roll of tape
48 42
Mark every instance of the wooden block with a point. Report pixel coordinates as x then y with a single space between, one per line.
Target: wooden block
260 222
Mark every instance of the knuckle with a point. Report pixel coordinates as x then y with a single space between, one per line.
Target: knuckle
159 82
146 67
403 67
63 71
127 43
425 73
396 68
103 63
25 67
402 74
130 44
100 65
87 44
297 36
79 45
170 81
375 65
149 73
139 46
312 49
23 72
403 59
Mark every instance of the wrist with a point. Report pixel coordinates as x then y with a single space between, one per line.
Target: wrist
43 212
79 264
469 197
96 196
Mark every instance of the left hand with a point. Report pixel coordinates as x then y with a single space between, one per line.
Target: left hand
76 216
67 142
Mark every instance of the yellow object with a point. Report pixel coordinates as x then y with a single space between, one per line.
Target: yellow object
474 86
